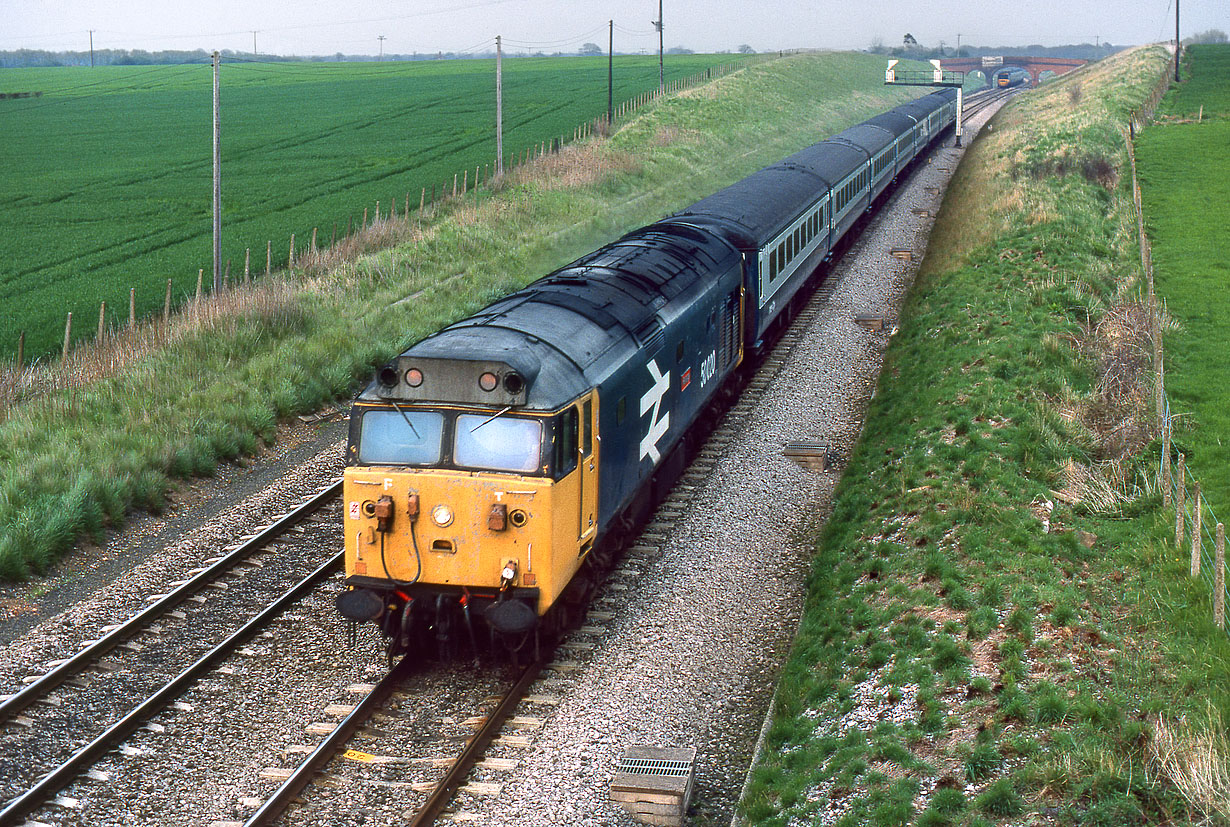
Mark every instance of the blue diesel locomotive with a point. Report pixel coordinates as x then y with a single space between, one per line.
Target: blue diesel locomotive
493 467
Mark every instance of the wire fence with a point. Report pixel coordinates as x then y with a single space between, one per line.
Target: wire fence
1197 526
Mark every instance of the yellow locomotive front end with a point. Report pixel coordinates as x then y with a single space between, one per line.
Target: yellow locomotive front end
464 520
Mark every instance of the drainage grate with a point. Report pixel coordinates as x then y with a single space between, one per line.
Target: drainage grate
654 784
809 455
655 766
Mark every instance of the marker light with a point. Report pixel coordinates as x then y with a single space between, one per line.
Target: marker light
442 515
488 381
414 377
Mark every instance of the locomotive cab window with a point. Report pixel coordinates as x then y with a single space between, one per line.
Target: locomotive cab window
499 443
401 437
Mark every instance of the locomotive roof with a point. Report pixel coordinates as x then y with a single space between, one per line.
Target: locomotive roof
560 332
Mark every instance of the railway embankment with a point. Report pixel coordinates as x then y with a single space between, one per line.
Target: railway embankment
999 627
119 428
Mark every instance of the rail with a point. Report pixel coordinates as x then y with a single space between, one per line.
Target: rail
14 704
87 755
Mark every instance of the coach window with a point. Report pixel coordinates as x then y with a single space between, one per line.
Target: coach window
565 443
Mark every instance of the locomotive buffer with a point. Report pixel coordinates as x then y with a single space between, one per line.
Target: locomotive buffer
936 77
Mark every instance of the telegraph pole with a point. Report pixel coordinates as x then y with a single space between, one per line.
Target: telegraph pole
91 48
499 109
657 24
610 73
217 179
381 39
958 44
1178 44
254 43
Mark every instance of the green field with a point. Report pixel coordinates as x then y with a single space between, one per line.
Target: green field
107 175
1185 182
1205 72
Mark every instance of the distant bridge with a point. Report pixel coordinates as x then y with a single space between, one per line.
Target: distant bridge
991 66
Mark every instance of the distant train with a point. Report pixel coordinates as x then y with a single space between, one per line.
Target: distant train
495 466
1012 77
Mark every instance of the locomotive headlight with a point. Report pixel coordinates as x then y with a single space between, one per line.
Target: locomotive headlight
442 515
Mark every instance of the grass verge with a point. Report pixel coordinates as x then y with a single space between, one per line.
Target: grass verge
997 630
80 448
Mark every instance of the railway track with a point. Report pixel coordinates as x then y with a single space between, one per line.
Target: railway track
979 101
61 722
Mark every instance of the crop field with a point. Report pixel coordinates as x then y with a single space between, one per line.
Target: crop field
1206 89
1185 181
107 179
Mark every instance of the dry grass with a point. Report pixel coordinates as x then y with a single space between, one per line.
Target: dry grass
1196 760
574 166
120 349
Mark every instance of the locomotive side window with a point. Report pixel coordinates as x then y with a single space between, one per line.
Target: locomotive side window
402 437
565 443
502 443
587 428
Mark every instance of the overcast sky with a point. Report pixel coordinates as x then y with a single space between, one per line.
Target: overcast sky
303 27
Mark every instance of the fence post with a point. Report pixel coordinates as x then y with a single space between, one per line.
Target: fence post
365 218
166 305
290 258
247 264
68 332
268 257
422 198
21 351
1196 528
102 320
1219 580
200 275
132 307
1180 503
313 241
226 278
1165 463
